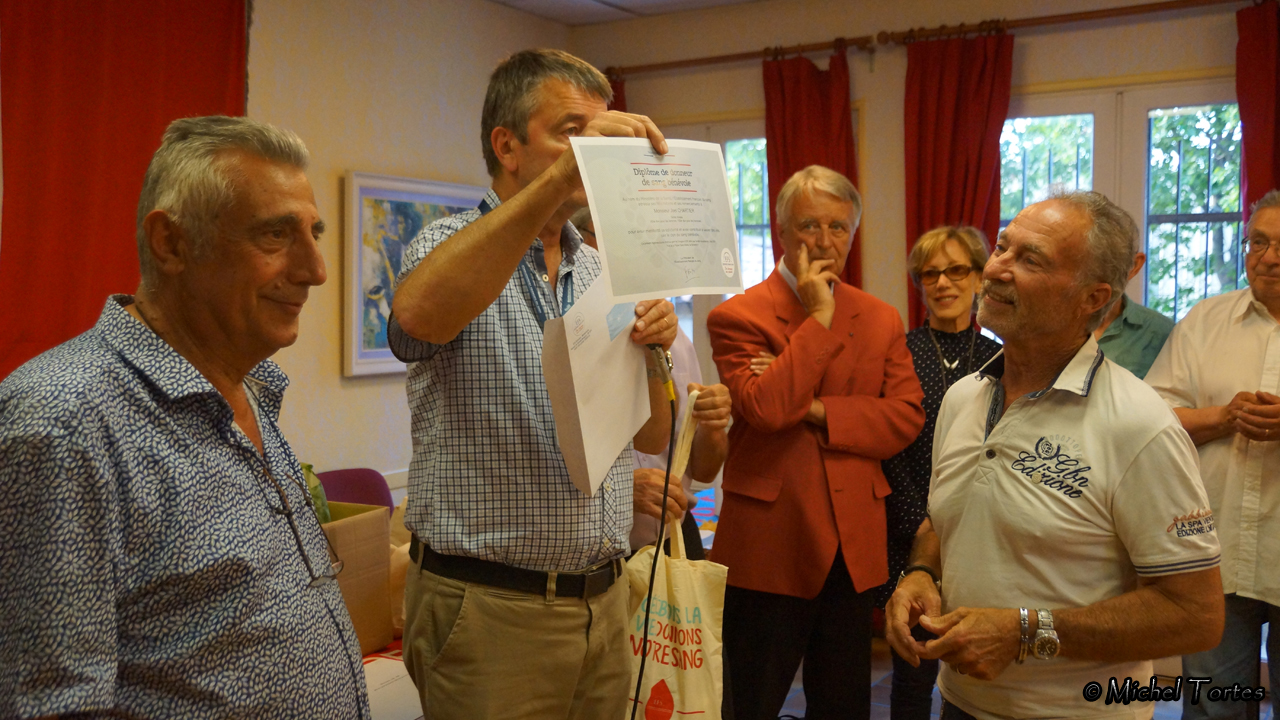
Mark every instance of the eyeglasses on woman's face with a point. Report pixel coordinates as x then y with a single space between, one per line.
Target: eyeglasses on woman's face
955 273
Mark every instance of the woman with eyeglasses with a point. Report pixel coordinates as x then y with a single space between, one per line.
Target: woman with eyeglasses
946 264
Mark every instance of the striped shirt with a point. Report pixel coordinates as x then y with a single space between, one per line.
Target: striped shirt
487 478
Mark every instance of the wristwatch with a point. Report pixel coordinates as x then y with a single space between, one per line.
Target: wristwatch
1045 646
937 581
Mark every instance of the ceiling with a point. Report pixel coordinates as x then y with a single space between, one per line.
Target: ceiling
585 12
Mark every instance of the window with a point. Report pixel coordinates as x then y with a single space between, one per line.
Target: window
1193 206
747 167
1169 154
1040 154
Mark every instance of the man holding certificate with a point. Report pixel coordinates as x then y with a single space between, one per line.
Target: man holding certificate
823 389
514 610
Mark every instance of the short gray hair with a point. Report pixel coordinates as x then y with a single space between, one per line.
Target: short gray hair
1110 244
1270 200
514 88
188 178
821 179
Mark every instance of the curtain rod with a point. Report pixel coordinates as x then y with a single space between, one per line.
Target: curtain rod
868 42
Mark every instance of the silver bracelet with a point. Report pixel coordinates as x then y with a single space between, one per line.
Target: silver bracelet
1025 640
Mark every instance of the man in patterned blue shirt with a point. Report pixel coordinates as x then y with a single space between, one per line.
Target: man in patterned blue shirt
159 555
515 610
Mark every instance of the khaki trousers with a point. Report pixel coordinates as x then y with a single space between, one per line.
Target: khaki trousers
482 653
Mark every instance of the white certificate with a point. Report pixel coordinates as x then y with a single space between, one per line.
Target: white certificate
664 223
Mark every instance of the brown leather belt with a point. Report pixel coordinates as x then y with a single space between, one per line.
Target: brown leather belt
553 585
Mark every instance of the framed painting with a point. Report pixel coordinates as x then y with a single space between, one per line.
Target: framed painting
383 215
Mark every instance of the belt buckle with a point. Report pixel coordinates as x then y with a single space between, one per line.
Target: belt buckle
598 582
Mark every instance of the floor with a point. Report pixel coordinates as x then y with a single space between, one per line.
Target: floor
882 674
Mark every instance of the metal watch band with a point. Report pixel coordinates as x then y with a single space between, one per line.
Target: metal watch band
1046 644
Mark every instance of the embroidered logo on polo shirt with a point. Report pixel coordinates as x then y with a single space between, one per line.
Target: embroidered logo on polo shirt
1055 464
1199 522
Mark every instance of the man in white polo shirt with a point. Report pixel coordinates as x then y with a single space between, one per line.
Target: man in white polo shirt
1221 374
1067 524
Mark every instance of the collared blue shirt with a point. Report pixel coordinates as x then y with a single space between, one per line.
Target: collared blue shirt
1134 338
487 478
146 568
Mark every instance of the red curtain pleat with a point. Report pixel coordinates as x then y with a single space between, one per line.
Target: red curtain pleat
1257 83
957 97
809 121
619 86
86 90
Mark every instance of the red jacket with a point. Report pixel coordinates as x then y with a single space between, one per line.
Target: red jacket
794 492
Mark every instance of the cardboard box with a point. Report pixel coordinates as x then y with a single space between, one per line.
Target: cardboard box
360 535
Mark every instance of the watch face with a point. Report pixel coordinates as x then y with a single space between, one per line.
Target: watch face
1046 646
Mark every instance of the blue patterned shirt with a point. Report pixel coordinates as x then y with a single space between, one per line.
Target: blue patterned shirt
488 479
146 567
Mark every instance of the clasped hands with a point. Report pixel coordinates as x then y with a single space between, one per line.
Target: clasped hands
979 642
1254 415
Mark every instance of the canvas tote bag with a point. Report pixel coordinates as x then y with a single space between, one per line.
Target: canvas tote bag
684 671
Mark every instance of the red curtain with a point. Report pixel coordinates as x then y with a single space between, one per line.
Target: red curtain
1257 83
619 87
88 88
956 102
809 121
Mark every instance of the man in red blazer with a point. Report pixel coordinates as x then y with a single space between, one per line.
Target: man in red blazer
823 389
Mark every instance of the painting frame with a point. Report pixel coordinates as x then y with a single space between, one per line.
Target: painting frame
383 214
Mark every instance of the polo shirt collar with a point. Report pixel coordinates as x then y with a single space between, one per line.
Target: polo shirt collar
1077 377
164 368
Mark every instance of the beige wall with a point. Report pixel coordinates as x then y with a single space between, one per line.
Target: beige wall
395 87
1178 42
384 86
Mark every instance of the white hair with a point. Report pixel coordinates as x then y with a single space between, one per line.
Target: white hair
821 179
188 178
1110 244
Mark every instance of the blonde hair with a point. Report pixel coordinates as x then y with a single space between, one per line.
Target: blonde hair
817 178
971 239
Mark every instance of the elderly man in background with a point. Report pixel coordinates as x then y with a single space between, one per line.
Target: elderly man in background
1065 513
802 526
1132 334
1221 375
710 440
160 557
515 610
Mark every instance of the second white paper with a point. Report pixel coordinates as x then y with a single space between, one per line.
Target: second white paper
596 380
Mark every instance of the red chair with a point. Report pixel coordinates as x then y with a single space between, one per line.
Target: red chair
356 485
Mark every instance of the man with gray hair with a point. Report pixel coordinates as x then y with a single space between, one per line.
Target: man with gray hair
823 389
1221 375
1069 540
515 609
160 557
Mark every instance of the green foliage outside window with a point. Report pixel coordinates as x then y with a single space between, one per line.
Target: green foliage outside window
746 164
1193 206
1038 154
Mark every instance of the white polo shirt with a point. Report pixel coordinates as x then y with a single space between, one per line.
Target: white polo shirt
1225 345
1062 502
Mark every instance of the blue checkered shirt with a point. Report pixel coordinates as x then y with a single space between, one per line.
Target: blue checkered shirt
488 479
146 568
